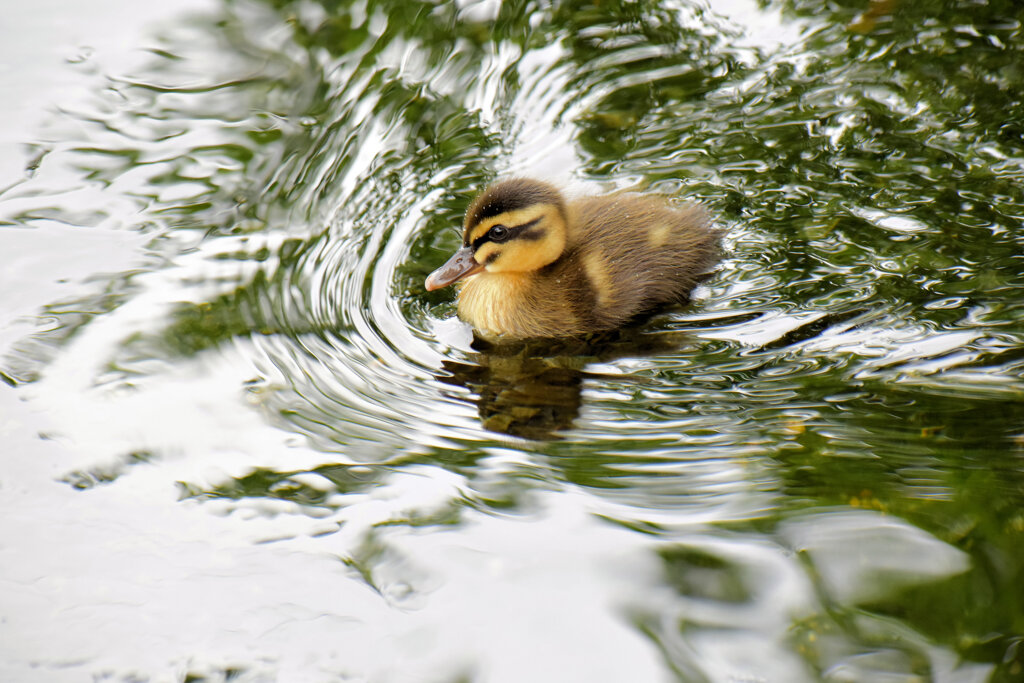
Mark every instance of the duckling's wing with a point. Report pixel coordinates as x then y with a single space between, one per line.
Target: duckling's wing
637 253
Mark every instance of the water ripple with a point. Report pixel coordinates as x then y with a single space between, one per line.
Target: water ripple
293 171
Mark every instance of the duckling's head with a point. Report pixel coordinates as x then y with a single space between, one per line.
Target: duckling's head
515 226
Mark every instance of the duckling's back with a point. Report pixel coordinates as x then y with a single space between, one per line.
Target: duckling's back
629 254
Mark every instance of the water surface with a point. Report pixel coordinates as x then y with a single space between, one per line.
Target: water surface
246 445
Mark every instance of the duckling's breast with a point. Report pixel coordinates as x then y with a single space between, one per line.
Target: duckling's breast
488 301
510 304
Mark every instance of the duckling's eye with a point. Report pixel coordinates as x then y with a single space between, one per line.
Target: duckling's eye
498 233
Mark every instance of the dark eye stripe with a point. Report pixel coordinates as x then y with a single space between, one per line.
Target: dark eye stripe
513 232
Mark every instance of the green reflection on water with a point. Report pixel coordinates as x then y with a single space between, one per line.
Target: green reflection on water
871 179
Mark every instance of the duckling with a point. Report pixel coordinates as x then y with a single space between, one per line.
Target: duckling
533 264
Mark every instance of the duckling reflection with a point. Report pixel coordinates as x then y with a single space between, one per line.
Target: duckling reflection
534 265
533 389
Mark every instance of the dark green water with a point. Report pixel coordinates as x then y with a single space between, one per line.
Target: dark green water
293 465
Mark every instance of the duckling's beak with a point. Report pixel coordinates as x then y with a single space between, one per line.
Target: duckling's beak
460 265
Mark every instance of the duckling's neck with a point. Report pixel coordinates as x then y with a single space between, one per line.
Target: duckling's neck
494 302
573 234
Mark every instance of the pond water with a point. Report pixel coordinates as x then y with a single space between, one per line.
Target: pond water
243 443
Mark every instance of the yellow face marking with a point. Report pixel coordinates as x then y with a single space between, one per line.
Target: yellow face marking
510 219
658 234
521 254
597 272
486 250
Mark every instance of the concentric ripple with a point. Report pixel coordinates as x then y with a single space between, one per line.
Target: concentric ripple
290 172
